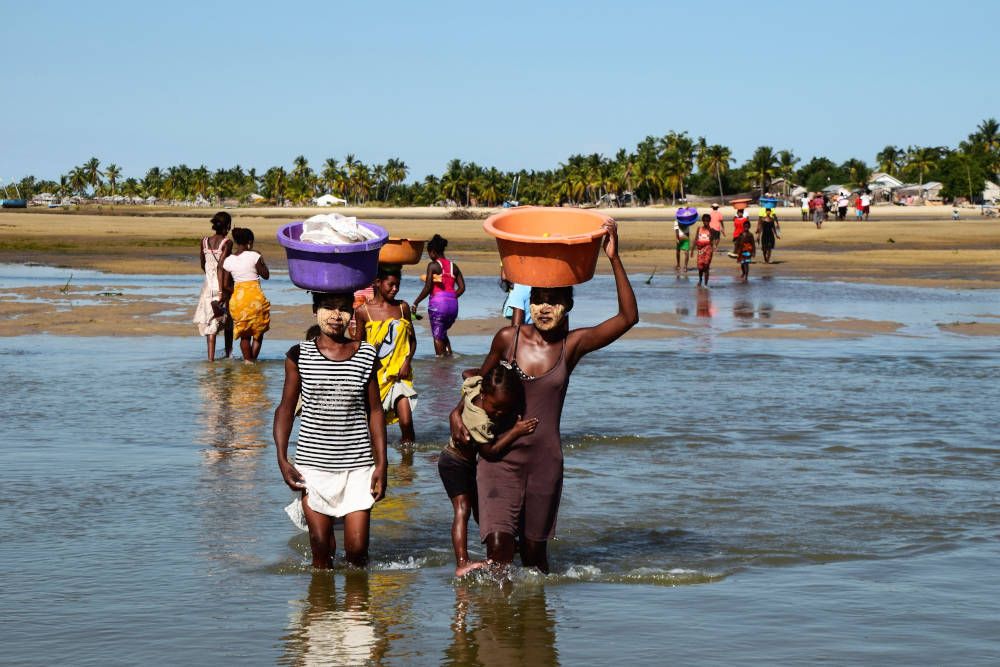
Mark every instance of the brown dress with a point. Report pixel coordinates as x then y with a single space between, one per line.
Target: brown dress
519 494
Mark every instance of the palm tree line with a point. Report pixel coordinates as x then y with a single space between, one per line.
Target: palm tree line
664 169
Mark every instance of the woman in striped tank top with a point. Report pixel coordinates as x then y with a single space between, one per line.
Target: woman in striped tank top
340 457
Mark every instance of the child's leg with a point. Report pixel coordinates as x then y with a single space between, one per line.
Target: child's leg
322 540
405 413
462 504
356 526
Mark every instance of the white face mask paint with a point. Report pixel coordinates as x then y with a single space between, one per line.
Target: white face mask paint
333 320
547 316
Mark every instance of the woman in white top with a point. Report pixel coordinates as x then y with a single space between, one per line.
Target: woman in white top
249 309
211 314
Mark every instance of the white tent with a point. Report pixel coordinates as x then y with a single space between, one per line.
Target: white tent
329 200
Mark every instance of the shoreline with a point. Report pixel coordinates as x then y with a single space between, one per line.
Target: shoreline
932 252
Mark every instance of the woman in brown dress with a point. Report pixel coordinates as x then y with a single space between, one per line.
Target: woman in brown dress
519 494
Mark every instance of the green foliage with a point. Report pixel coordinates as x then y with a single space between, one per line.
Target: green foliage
659 169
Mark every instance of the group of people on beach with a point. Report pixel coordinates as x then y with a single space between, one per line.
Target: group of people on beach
704 241
503 464
231 299
819 206
352 376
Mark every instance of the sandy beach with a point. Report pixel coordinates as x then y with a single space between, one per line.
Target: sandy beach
919 247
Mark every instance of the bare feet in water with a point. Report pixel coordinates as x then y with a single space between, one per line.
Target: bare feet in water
468 567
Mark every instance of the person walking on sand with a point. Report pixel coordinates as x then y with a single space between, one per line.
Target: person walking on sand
519 495
768 230
704 244
842 204
384 322
445 284
489 410
340 467
249 308
746 250
717 226
740 222
804 201
866 204
683 245
816 204
212 312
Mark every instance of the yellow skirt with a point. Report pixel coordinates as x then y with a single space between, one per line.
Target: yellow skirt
250 310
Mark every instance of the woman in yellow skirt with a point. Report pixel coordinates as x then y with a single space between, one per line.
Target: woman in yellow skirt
384 322
249 308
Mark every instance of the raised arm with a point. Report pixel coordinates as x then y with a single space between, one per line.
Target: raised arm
284 414
585 340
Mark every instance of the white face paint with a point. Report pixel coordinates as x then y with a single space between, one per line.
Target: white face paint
333 321
546 316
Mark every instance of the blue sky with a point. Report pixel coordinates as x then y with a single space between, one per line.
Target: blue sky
514 85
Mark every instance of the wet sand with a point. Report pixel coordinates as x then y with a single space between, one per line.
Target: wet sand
901 246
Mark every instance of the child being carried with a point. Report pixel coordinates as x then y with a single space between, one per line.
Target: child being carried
489 412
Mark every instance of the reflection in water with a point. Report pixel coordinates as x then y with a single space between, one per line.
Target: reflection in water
235 410
704 306
743 309
490 627
765 310
332 629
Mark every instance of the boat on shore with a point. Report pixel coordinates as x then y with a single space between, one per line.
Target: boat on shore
14 203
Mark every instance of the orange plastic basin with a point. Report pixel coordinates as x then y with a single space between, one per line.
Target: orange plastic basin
401 251
740 203
547 247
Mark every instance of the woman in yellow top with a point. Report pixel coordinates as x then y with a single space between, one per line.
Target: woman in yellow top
386 324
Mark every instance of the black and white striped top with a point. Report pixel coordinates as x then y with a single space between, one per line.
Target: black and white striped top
333 431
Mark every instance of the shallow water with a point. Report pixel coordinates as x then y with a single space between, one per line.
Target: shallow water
728 500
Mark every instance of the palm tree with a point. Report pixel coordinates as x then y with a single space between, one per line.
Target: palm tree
78 180
858 172
673 170
682 162
92 171
451 180
763 165
988 134
112 171
395 173
889 159
331 174
715 159
922 159
491 188
786 167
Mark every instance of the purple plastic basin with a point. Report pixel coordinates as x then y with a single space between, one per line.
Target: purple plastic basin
687 216
331 268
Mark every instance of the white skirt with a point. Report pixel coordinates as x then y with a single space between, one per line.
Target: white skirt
332 493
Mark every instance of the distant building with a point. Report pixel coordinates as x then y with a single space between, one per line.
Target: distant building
991 193
329 200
